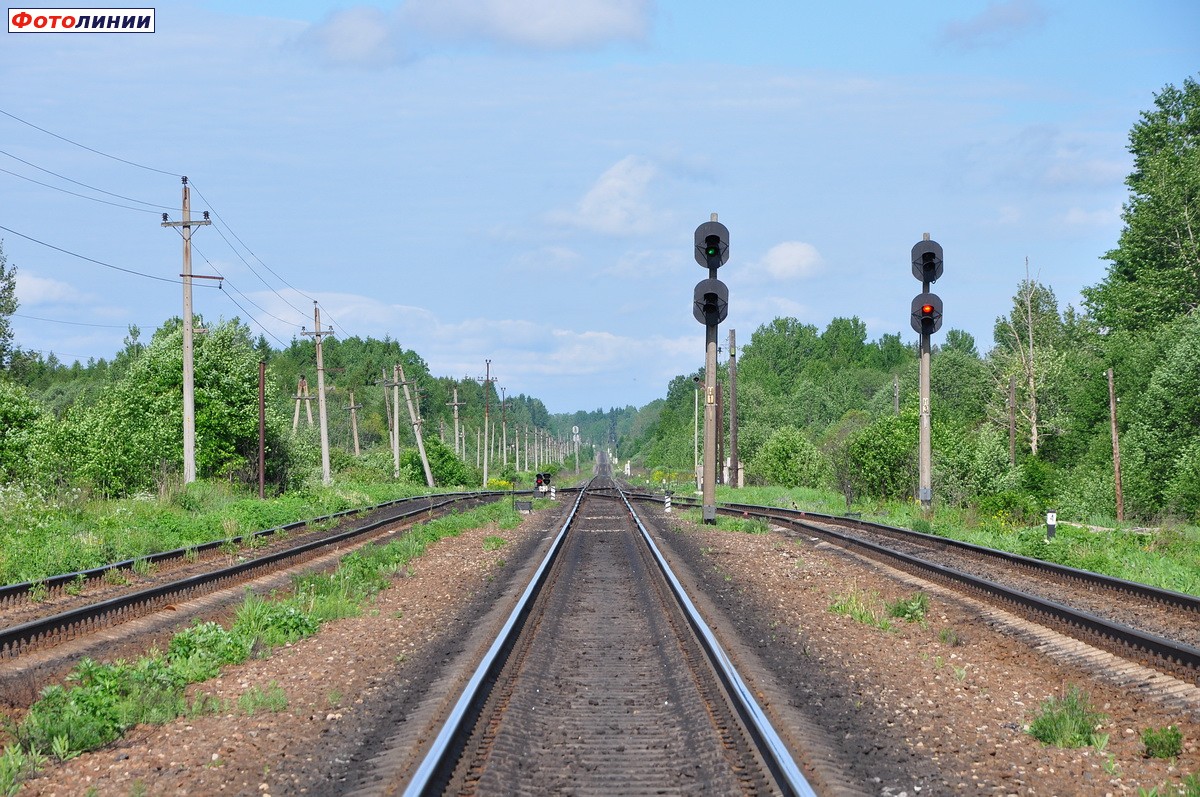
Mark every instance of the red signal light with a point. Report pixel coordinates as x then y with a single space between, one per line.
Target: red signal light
926 309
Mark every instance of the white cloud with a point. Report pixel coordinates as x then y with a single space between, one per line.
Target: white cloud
34 290
792 260
540 24
1102 217
997 25
617 202
362 36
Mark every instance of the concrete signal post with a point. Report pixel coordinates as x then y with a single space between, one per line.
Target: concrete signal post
710 306
926 318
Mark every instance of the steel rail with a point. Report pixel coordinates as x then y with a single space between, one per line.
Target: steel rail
10 592
775 752
14 638
1174 653
1179 600
436 762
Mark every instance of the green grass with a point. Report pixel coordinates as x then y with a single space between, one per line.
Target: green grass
272 699
861 607
100 701
911 609
1168 558
1163 742
44 534
1069 721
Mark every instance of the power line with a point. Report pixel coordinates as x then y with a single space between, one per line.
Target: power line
84 146
89 259
72 323
84 185
74 193
256 257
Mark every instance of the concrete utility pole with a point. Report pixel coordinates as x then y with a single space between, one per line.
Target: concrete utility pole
486 380
189 374
317 334
354 408
262 427
456 404
504 425
416 424
735 468
1112 414
696 432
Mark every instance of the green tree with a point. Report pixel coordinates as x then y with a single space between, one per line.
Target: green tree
1026 341
1154 274
8 306
130 438
788 459
19 416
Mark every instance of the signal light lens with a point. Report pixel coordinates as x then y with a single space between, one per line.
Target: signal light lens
927 309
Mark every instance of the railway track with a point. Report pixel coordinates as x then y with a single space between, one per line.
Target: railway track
40 615
1146 624
603 680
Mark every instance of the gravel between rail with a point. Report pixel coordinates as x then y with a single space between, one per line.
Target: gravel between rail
909 714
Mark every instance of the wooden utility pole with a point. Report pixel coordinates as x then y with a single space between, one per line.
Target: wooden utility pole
1112 414
189 373
322 415
416 424
735 471
302 395
354 408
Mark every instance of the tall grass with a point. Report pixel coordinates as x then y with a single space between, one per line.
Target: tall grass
44 534
1167 557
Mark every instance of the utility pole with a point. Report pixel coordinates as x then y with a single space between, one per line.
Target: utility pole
696 432
395 386
416 424
317 334
354 408
1112 414
262 427
735 470
456 404
486 380
189 373
504 426
302 395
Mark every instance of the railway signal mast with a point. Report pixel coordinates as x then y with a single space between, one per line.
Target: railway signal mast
926 318
710 306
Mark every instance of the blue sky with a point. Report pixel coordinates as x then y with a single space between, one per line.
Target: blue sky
518 180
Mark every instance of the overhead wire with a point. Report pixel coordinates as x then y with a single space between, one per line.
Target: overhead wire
75 193
83 185
84 146
72 323
150 276
90 259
